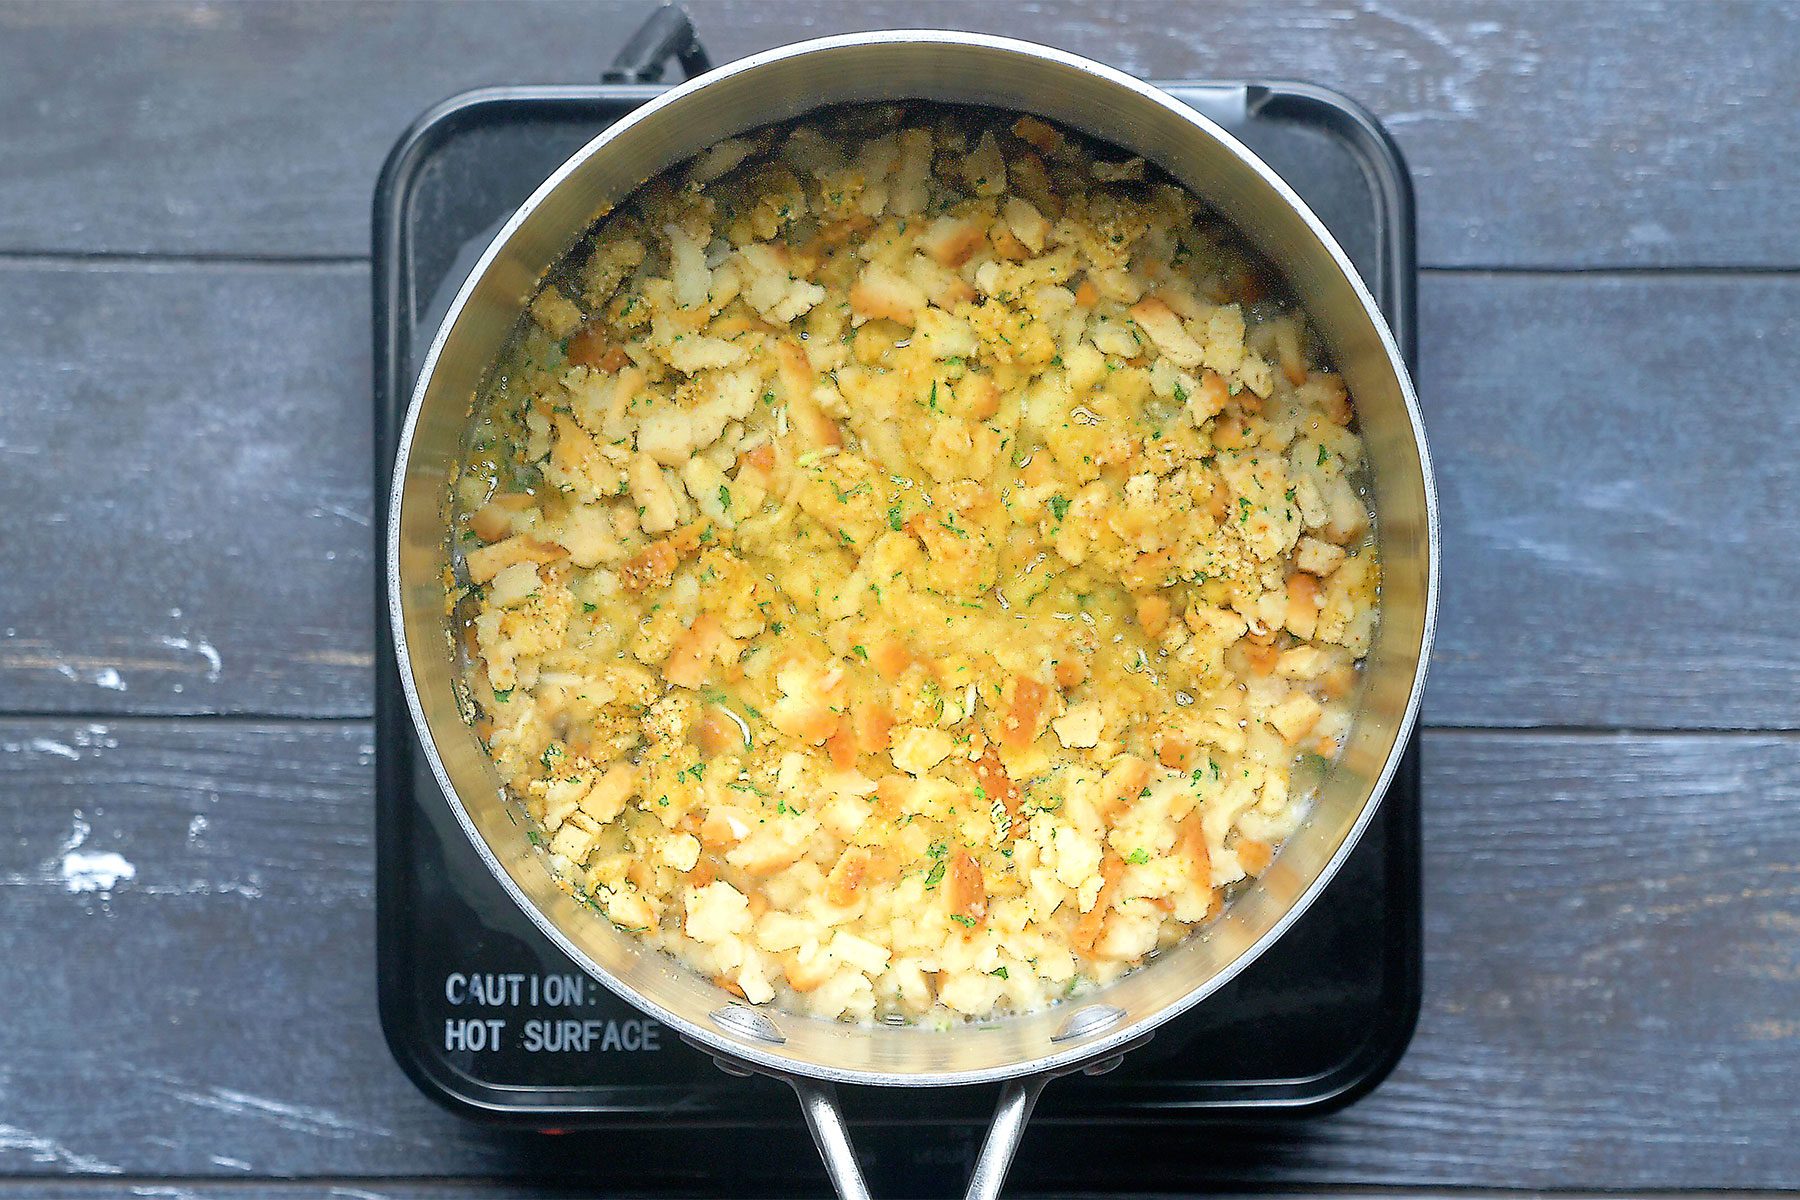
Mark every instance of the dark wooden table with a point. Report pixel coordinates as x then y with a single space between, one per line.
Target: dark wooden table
1611 354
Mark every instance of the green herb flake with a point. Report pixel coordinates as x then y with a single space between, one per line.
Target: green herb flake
1060 506
1138 857
935 876
895 521
724 497
1323 454
862 652
998 973
965 922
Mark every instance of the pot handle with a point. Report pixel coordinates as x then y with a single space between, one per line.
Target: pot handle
818 1102
666 33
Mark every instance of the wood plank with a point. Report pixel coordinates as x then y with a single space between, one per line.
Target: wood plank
244 128
188 468
1617 503
1539 136
1611 545
1612 979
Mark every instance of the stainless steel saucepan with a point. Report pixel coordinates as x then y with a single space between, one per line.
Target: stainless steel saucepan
1021 1053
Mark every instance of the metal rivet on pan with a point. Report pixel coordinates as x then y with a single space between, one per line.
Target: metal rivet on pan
731 1068
747 1022
1103 1066
1085 1022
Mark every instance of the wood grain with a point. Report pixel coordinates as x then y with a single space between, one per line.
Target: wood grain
1613 973
1617 482
1612 513
1613 920
1539 135
187 476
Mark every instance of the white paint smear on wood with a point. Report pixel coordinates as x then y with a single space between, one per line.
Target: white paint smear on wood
299 1118
88 870
52 746
47 1151
205 649
96 872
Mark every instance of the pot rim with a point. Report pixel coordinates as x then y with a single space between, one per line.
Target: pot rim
746 1050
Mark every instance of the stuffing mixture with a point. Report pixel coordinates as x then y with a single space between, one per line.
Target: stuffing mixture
912 565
